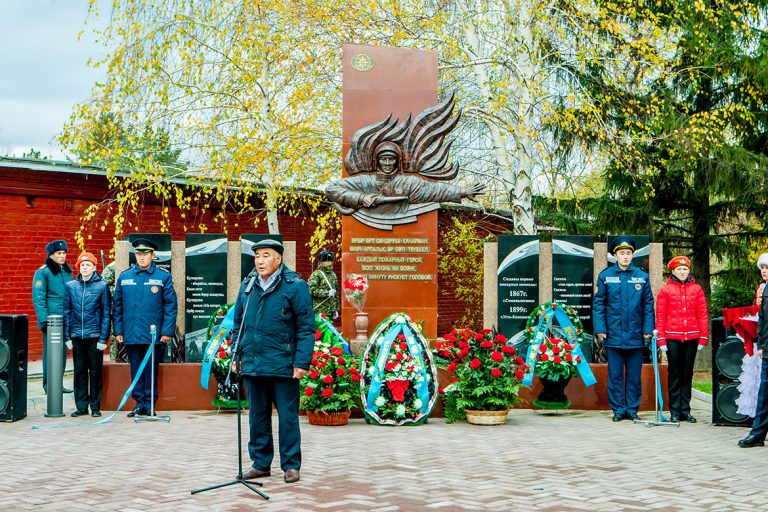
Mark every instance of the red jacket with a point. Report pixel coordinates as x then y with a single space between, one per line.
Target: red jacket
681 312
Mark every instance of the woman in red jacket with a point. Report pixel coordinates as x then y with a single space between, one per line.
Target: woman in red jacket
683 325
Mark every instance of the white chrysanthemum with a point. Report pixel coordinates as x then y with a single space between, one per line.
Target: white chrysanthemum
418 403
400 410
370 370
380 401
400 319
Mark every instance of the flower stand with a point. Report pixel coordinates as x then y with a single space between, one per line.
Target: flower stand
328 419
487 417
552 395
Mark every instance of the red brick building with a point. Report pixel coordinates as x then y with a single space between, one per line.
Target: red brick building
43 200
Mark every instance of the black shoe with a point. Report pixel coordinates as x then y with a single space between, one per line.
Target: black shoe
96 414
617 417
633 416
687 417
751 441
77 413
674 418
137 412
66 390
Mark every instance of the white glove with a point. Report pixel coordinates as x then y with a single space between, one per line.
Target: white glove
663 348
700 347
69 344
331 293
101 345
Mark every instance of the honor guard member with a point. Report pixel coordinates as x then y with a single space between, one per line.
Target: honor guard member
323 286
48 296
276 346
144 296
623 317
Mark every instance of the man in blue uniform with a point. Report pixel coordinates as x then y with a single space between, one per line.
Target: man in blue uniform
48 296
276 345
144 296
622 312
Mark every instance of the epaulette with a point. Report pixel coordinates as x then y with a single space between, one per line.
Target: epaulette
41 267
163 269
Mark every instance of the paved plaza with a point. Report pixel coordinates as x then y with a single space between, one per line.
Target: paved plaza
576 461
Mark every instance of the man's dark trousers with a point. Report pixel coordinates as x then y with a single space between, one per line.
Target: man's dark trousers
89 363
624 383
760 425
141 392
283 392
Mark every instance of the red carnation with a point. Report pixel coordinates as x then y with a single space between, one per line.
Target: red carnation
558 359
555 349
519 374
486 331
497 356
341 372
519 360
508 350
353 370
309 391
401 337
479 337
321 364
500 338
544 357
399 356
389 366
450 338
475 364
341 361
487 344
464 352
568 357
337 351
355 378
567 346
451 366
314 374
328 379
496 373
317 334
403 346
463 344
327 393
578 359
543 347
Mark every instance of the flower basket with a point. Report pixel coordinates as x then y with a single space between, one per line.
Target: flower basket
487 417
328 419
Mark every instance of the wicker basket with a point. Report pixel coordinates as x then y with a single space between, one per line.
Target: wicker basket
329 419
487 417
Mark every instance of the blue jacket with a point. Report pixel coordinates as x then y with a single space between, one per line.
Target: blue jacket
144 298
622 307
279 330
48 290
87 309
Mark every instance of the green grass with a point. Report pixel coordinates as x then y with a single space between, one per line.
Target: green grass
703 386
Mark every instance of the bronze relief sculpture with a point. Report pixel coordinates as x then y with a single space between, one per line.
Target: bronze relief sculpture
401 156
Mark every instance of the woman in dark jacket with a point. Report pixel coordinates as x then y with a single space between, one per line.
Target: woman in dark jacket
683 325
87 312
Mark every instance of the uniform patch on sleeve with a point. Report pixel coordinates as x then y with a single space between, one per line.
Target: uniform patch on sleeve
38 283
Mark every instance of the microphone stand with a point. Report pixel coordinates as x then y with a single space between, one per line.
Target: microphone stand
238 361
659 419
152 415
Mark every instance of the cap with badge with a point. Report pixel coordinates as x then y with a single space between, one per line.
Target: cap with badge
268 243
678 261
622 242
86 256
56 246
325 255
144 245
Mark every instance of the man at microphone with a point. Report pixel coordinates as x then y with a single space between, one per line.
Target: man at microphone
276 346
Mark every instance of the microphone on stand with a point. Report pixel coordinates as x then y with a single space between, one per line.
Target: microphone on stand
249 286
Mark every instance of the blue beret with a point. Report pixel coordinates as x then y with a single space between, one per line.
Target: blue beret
144 245
56 245
268 243
622 242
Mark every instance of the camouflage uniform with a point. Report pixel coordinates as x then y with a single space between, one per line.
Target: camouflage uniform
319 288
117 352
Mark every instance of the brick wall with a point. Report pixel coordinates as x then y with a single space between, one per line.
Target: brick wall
39 206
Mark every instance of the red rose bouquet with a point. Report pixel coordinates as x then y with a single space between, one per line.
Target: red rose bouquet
488 372
555 361
355 290
332 383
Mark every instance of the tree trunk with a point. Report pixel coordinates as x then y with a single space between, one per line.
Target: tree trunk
701 238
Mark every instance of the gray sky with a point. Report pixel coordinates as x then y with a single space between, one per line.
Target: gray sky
43 71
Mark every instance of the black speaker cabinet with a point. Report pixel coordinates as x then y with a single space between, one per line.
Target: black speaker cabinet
727 355
13 367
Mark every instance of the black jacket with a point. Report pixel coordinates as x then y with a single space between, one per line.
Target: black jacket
762 324
87 309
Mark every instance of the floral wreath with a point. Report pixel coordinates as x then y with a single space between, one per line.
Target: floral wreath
533 320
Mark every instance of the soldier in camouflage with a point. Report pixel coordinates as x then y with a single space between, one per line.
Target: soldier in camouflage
323 285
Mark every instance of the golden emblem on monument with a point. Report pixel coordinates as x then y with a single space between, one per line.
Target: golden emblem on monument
362 62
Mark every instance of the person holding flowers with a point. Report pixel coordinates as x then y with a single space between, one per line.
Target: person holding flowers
683 325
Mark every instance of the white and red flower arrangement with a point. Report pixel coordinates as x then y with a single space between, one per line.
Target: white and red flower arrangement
555 360
399 375
333 380
487 372
355 289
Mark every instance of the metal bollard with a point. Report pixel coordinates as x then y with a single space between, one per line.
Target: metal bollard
55 366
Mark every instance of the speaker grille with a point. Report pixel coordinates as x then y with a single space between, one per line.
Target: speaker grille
729 357
725 402
5 398
5 355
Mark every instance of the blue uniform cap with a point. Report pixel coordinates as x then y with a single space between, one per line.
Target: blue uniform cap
268 243
144 245
325 255
622 242
55 246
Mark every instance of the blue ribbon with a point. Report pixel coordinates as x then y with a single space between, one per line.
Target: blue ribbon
585 372
213 347
659 398
324 322
122 401
381 360
422 388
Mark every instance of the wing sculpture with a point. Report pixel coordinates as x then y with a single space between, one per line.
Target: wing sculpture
422 142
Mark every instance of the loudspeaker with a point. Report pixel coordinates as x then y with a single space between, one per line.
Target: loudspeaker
727 354
13 367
